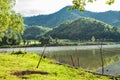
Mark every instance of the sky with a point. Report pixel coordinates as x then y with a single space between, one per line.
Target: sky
44 7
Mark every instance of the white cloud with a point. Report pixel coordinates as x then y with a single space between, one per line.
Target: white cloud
100 6
35 7
40 6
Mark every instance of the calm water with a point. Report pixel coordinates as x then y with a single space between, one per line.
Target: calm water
87 57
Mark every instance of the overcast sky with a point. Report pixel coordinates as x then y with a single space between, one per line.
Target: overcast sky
36 7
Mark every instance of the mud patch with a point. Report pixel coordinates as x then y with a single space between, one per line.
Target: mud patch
28 72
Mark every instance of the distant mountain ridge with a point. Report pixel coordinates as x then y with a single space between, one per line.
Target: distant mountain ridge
55 19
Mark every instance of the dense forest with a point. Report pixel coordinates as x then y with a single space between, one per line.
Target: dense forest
33 32
84 29
55 19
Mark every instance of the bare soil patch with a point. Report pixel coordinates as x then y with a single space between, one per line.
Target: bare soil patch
28 72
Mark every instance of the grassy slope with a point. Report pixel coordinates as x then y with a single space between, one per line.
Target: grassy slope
12 63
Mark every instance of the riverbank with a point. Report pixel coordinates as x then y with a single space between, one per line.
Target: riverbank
58 48
17 67
61 42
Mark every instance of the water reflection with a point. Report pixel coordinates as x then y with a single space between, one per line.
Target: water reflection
87 59
112 69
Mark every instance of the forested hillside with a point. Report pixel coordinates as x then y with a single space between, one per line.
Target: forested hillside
84 29
32 32
53 20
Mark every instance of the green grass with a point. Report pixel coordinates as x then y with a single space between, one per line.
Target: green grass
9 64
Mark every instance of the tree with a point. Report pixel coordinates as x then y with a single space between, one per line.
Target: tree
79 4
14 40
93 39
45 40
10 22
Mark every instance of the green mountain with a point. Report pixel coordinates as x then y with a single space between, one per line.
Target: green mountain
32 32
55 19
84 29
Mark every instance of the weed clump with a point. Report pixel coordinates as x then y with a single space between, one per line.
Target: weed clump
19 52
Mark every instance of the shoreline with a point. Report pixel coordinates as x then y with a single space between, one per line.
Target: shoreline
58 48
